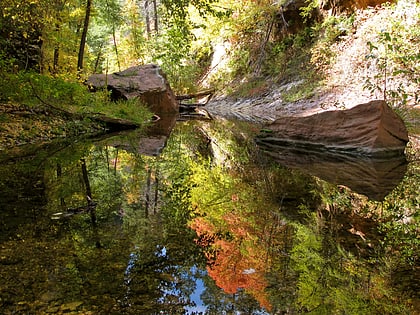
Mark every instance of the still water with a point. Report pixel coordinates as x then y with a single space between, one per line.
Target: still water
194 218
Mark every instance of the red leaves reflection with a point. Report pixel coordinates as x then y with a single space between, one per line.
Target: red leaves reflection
237 258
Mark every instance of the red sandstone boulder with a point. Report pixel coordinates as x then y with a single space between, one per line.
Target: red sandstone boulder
372 129
146 82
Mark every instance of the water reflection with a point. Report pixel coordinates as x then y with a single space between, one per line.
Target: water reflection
206 224
374 178
148 142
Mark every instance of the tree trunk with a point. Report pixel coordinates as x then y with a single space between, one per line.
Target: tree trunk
56 57
84 35
115 47
91 204
147 17
98 58
56 53
155 17
148 190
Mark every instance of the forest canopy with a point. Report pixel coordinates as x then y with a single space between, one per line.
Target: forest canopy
64 36
256 39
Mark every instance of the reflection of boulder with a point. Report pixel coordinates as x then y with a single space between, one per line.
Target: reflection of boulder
371 129
374 178
149 142
156 136
146 82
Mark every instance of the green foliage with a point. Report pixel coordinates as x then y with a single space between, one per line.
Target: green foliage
133 110
307 12
173 49
37 90
305 89
325 34
21 25
395 55
330 280
173 54
57 94
400 220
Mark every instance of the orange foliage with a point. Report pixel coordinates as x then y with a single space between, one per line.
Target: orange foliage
232 271
237 263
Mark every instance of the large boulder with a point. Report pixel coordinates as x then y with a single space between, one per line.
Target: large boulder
146 82
371 129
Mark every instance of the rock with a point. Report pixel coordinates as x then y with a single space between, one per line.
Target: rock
371 129
146 82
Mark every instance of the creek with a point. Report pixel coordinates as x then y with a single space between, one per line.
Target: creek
194 218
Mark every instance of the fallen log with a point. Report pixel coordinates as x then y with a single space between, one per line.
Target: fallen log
208 92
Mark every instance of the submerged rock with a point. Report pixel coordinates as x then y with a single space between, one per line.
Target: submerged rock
371 129
146 82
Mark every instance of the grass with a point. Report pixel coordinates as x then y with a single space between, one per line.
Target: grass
67 96
37 108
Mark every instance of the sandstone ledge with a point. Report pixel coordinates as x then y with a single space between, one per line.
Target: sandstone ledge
371 129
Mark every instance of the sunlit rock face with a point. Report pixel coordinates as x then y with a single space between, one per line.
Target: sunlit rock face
146 82
370 129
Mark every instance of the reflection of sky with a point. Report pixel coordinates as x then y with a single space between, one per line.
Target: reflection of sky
194 274
130 266
196 295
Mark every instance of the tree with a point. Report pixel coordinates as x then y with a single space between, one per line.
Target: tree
21 25
84 35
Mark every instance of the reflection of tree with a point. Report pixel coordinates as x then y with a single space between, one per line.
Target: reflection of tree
237 223
318 266
124 185
337 261
91 205
270 237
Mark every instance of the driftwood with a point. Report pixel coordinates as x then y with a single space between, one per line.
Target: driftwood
208 92
197 114
191 110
